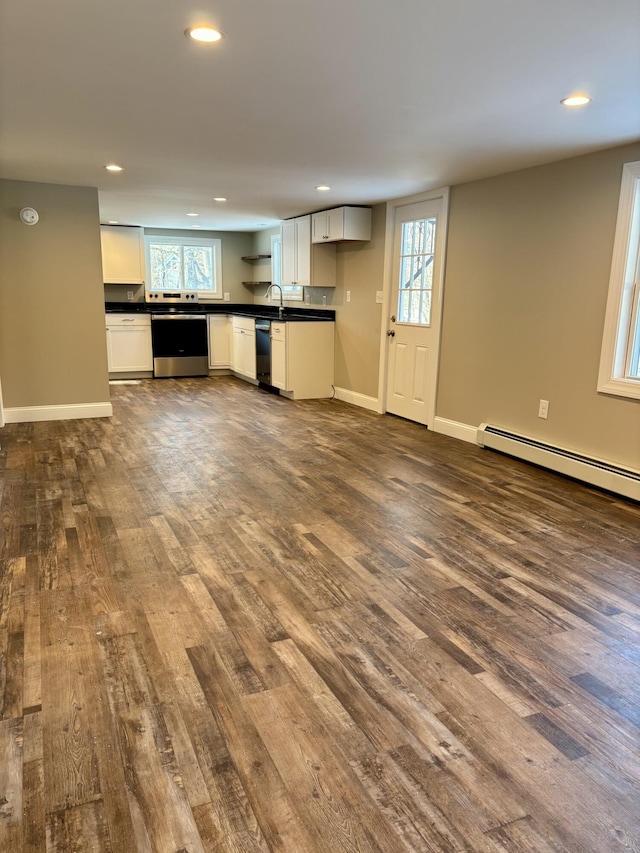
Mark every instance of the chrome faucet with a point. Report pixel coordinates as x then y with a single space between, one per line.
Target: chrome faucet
281 306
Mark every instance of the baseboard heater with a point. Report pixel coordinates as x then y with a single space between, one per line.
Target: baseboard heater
596 472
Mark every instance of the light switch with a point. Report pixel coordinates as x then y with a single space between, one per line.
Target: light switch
379 297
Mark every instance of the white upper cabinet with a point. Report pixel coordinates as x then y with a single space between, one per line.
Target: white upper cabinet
341 223
303 263
122 254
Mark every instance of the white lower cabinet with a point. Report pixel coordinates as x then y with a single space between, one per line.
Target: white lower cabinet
129 343
244 347
279 356
302 359
219 341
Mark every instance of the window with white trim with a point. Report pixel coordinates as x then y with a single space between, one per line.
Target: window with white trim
620 358
185 264
289 291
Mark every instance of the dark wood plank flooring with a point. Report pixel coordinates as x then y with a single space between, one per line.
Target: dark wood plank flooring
230 622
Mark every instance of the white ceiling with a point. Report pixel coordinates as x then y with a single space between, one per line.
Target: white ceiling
377 98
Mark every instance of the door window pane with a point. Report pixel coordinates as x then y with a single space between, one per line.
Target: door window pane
416 271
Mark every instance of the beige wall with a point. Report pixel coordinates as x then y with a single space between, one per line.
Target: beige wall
528 263
52 334
360 269
118 292
235 244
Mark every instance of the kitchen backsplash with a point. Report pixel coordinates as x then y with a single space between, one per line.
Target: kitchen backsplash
120 292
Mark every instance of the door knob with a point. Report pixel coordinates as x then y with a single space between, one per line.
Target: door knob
393 318
391 333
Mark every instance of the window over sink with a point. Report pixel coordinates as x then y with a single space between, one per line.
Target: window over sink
185 264
289 291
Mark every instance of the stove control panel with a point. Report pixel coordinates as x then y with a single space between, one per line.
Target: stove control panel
166 297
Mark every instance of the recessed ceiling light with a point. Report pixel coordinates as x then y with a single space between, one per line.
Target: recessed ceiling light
113 167
196 226
323 189
207 34
193 214
220 198
576 101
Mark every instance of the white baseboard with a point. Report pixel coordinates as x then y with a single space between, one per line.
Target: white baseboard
455 429
357 399
29 414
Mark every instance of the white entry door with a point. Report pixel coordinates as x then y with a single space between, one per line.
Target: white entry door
413 326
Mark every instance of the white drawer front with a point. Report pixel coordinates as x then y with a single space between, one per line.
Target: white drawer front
114 320
246 323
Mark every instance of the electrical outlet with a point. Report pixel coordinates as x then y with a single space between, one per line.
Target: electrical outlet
307 298
348 296
379 297
227 296
130 295
543 409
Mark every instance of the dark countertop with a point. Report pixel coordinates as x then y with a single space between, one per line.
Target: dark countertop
262 312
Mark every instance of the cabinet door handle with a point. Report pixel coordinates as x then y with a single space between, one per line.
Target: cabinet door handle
125 320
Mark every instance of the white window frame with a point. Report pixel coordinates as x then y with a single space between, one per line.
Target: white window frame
624 293
290 292
214 242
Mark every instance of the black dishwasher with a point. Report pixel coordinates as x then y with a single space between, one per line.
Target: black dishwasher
263 351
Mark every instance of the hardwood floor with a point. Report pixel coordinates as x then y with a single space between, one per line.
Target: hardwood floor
230 622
